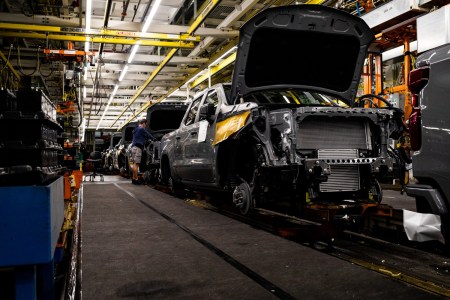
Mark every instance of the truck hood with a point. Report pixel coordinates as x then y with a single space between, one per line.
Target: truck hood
165 117
309 47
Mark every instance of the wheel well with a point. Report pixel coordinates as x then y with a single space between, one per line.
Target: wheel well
236 159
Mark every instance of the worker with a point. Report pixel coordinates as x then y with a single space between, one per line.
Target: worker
140 137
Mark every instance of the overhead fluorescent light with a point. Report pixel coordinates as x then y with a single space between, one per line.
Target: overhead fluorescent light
124 71
223 56
88 15
88 23
107 107
133 52
84 92
114 91
171 94
151 15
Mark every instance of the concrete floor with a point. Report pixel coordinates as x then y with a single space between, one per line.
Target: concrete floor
139 243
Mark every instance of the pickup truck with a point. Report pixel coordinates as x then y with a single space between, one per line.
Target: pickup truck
289 127
162 118
429 129
110 152
120 155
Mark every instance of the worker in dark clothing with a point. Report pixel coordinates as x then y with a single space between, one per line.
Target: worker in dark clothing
140 137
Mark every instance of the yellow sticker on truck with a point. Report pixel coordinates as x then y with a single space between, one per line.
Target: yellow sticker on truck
229 126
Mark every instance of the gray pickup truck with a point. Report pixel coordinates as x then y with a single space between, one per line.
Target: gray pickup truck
162 118
287 128
110 153
429 129
120 155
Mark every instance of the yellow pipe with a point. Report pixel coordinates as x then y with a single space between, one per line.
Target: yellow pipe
9 66
79 38
99 32
200 18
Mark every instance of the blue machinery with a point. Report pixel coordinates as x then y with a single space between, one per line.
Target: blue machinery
30 223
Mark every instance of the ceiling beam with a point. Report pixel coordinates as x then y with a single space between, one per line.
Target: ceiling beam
96 39
228 21
98 32
108 56
116 25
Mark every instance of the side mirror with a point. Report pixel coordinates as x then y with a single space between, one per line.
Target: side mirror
207 110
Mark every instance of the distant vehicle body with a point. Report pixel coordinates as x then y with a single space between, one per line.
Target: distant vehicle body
278 133
162 118
120 155
110 154
429 127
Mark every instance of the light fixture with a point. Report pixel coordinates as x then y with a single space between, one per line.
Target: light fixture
115 90
223 56
171 94
150 16
107 105
84 92
88 23
83 130
124 71
133 52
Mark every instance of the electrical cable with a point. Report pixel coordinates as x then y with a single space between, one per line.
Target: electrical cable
20 63
52 69
7 60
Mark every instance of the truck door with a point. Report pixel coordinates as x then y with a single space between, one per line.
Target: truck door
184 137
204 152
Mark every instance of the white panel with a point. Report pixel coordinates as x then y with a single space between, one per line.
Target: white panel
389 11
433 29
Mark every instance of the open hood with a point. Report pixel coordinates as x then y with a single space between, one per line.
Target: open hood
309 47
165 117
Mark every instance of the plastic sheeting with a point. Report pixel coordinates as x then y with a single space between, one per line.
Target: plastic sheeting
422 227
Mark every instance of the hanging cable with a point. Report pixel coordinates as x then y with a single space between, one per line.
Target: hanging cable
20 63
7 60
52 69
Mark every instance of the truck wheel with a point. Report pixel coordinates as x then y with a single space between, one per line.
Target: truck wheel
176 189
243 198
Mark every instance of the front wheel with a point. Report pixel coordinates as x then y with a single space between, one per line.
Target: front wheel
243 198
176 188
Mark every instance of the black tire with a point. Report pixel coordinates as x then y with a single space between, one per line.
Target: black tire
176 188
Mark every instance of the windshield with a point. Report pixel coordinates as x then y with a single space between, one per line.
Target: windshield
293 97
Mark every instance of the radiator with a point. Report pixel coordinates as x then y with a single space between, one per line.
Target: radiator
333 133
343 178
337 153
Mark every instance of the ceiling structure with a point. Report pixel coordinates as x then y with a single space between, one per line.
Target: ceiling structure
137 52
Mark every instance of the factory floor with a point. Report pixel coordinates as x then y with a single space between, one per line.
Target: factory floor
140 243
